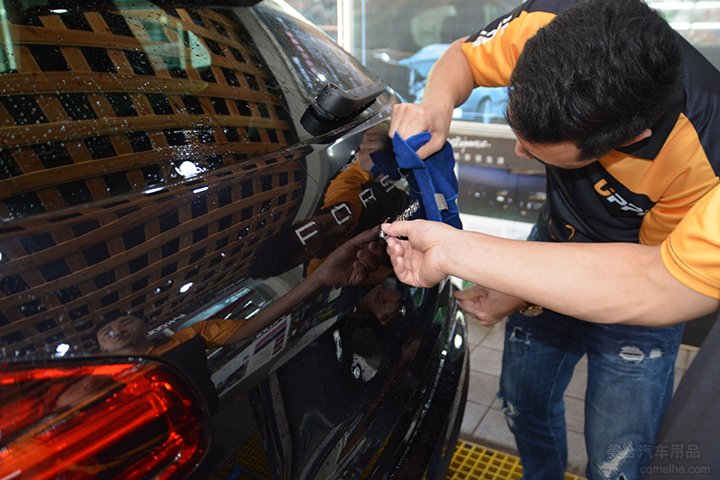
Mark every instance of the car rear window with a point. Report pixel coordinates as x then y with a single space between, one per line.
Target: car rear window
144 150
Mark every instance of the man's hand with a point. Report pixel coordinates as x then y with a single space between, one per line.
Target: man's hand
419 260
409 119
448 85
486 305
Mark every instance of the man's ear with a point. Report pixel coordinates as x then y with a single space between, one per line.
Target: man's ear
641 136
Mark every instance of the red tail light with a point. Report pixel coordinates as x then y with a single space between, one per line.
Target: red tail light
124 420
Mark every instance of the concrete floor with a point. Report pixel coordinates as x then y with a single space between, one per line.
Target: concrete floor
484 423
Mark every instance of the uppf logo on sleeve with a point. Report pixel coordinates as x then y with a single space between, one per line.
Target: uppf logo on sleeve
612 196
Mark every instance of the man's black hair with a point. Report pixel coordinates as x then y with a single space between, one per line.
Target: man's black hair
597 75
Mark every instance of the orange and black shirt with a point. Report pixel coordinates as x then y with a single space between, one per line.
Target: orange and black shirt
637 193
692 251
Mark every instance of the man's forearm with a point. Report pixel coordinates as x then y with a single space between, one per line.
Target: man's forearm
604 283
276 309
450 81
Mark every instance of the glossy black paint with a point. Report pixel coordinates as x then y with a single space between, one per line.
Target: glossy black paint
154 165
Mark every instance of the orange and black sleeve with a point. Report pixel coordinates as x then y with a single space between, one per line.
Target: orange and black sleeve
692 251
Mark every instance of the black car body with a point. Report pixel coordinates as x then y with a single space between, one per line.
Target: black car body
170 165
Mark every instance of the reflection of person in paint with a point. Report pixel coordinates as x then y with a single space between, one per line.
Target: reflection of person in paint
382 302
79 391
354 201
126 335
348 197
348 265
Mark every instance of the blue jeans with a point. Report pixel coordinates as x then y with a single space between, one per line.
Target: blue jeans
630 382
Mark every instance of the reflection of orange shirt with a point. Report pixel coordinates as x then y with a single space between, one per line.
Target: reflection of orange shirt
216 333
345 188
692 251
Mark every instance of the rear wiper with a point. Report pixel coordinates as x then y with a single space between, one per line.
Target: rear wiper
334 103
333 106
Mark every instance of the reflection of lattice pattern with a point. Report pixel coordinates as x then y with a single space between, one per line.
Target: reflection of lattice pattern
138 102
127 102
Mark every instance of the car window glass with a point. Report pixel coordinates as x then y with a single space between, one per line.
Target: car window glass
401 44
318 58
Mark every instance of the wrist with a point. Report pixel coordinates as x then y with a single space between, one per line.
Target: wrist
438 105
453 258
318 279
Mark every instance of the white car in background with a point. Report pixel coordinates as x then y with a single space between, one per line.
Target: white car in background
485 104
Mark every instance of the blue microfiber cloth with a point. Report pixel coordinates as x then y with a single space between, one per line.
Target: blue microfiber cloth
434 175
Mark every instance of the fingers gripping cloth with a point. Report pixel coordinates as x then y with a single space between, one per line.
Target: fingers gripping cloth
433 181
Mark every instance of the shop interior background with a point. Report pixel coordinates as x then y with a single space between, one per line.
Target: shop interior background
500 193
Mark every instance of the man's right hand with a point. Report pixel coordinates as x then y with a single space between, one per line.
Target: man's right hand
448 85
409 119
486 305
418 250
